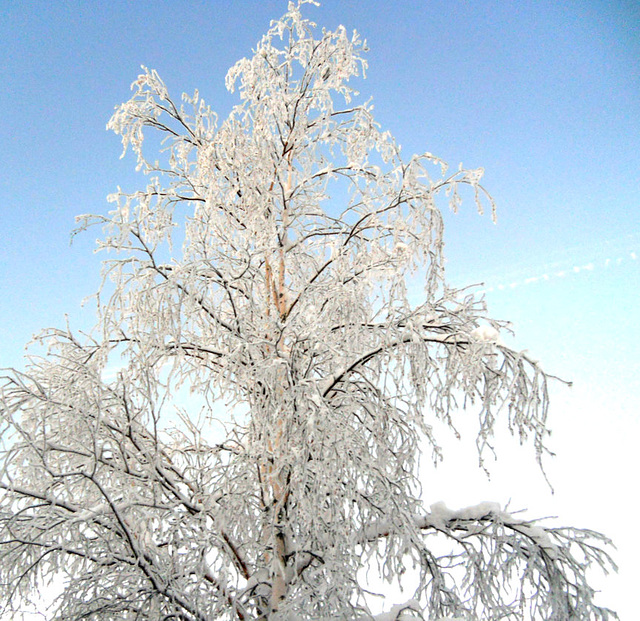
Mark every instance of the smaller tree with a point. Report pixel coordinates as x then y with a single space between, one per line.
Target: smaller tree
267 267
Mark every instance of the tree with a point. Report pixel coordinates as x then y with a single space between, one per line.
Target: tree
267 268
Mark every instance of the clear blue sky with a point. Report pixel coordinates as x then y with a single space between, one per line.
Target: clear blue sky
544 95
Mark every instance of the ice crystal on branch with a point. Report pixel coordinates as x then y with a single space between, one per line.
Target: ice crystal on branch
266 267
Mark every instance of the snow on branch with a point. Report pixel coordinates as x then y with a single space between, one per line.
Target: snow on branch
527 570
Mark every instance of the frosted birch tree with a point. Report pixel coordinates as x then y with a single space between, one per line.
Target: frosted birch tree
269 268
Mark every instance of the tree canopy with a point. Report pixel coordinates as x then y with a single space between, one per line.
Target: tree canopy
269 267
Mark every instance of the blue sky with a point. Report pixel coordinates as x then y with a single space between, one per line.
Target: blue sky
544 95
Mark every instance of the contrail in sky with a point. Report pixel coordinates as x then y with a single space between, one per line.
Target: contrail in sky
611 255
